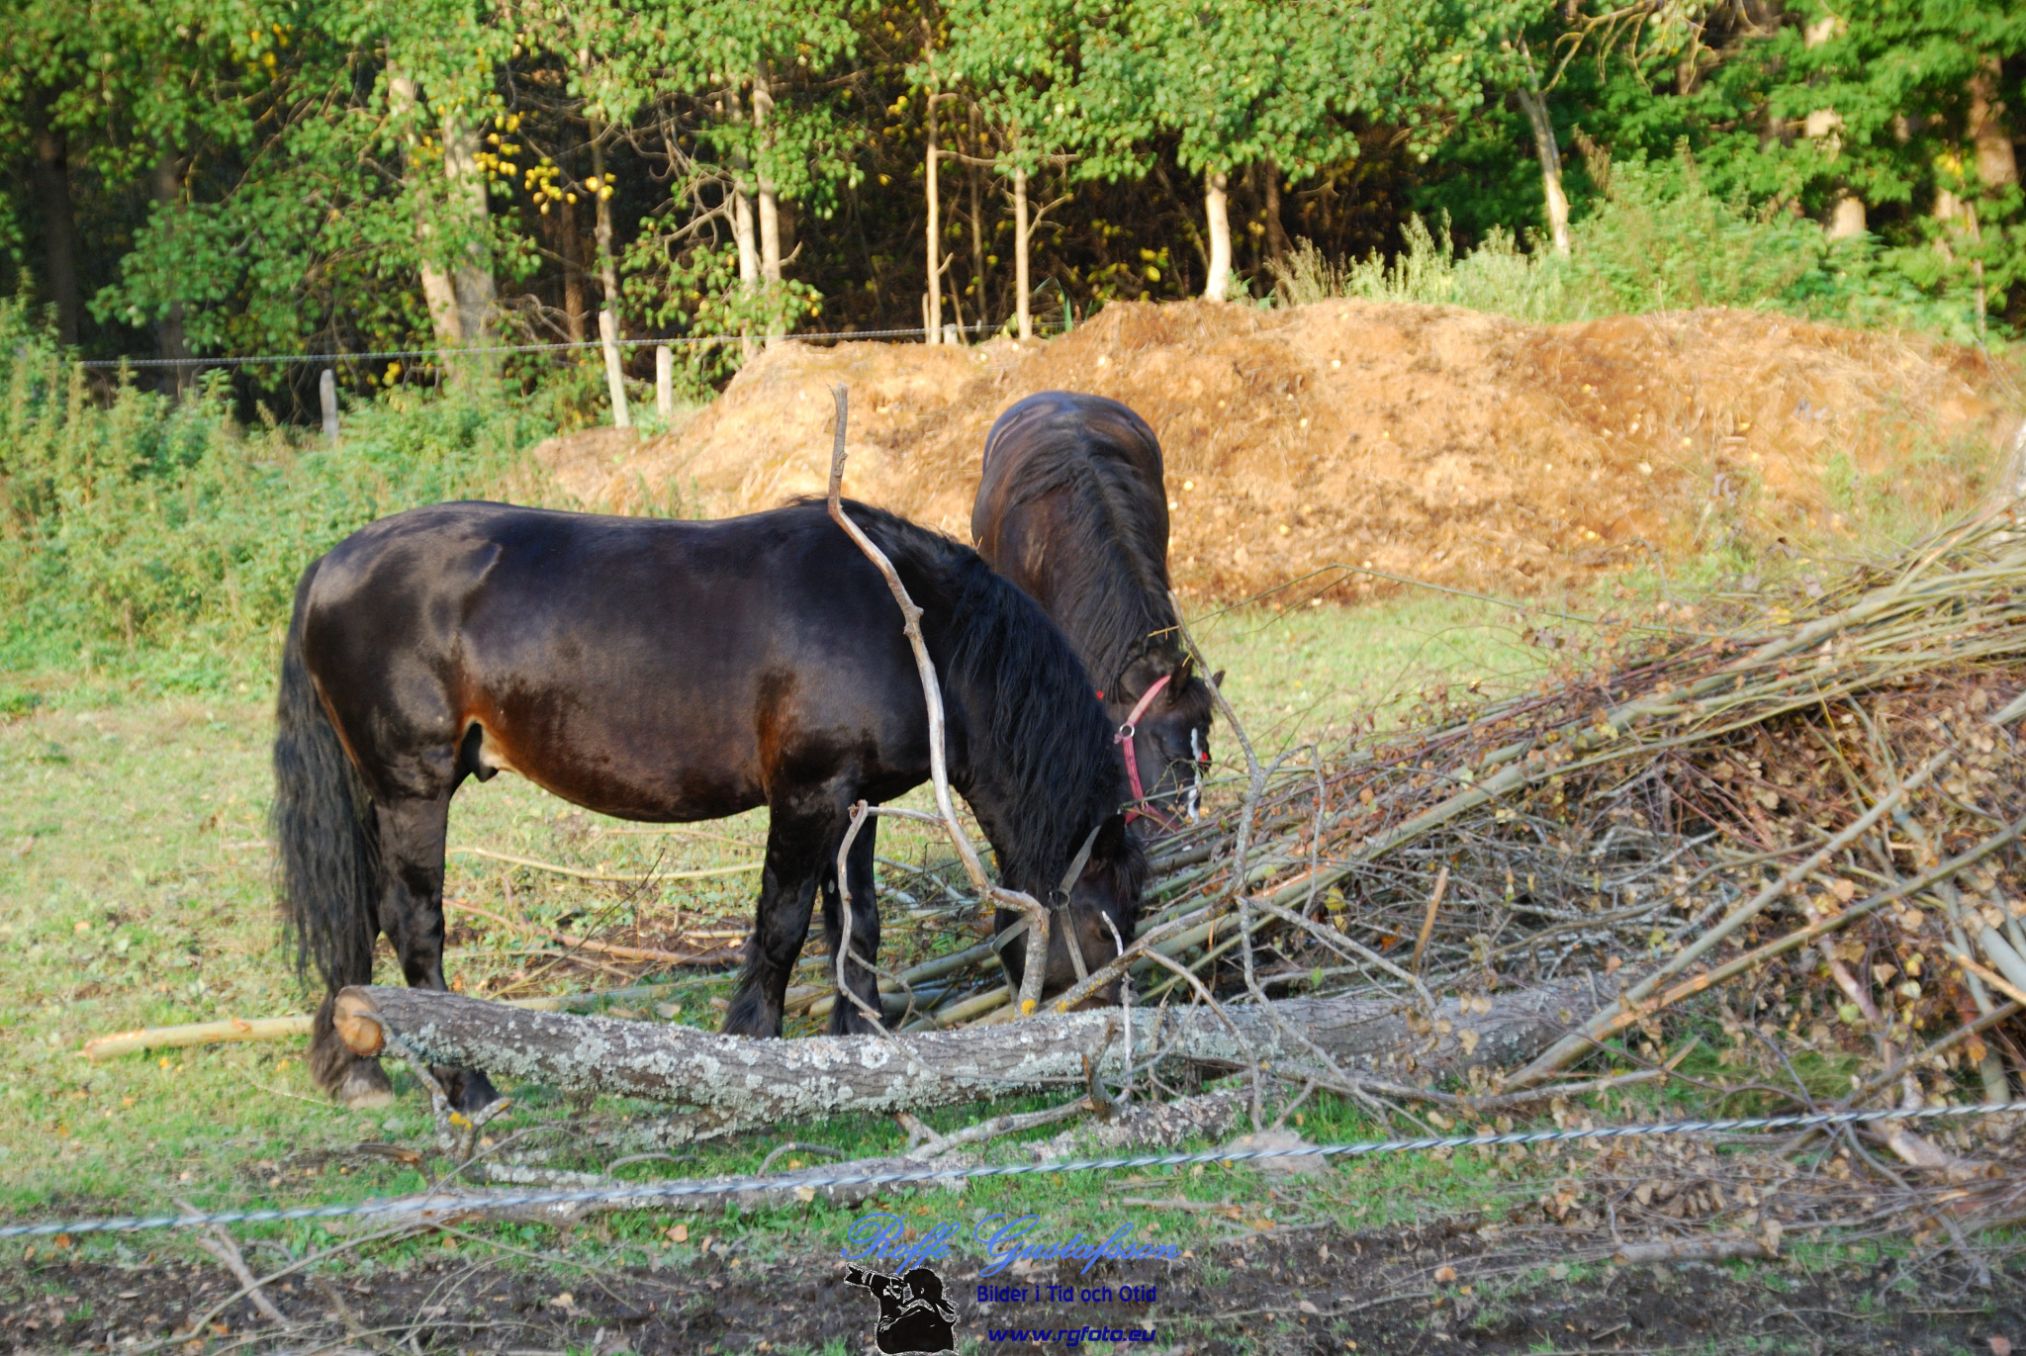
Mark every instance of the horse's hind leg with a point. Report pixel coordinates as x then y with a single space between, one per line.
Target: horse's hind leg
411 914
847 1018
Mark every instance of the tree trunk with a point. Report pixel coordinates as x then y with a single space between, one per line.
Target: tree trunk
974 175
1535 105
767 199
59 230
438 294
1023 305
608 264
769 213
749 257
734 1082
471 264
574 309
171 344
1217 211
1997 165
745 239
1824 126
1276 233
932 237
608 282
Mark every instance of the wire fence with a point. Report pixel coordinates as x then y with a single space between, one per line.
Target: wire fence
498 350
447 1204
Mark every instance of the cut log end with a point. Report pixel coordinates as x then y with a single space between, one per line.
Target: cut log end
358 1024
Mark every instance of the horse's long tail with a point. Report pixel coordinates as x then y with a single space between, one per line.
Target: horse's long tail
327 843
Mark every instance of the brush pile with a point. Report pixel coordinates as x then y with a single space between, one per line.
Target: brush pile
1817 815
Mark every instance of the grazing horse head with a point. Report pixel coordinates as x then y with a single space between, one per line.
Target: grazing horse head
670 672
1163 711
1072 508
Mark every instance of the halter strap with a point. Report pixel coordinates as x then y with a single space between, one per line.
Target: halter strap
1124 739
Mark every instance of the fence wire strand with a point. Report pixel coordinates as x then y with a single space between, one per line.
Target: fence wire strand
395 355
452 1204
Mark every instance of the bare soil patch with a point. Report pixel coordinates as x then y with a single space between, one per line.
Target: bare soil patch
1449 445
1449 1285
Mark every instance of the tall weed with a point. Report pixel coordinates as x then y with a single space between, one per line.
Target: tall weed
1659 239
138 531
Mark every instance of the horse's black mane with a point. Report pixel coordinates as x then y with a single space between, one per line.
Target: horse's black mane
1111 568
1030 716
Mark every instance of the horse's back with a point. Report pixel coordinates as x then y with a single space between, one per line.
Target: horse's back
1051 421
642 667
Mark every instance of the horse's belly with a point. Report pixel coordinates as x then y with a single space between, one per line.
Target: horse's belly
622 774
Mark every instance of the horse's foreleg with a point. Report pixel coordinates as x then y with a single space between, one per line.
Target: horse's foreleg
796 844
847 1018
411 914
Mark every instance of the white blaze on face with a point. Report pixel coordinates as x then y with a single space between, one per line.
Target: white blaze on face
1195 796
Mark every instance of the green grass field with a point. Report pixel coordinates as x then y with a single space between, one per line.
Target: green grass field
134 891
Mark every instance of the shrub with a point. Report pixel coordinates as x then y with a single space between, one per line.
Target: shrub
138 530
1659 239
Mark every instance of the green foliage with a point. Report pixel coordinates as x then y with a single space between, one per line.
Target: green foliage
1235 83
1660 239
290 175
1496 276
136 524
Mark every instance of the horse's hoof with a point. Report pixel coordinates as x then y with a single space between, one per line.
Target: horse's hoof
365 1087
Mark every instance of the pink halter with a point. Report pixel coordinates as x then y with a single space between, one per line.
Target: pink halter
1124 738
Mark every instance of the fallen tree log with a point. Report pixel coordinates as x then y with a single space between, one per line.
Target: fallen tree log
736 1082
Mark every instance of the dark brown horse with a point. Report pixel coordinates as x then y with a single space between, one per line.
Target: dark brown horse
1072 508
669 671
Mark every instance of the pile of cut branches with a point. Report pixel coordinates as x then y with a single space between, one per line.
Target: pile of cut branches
1822 809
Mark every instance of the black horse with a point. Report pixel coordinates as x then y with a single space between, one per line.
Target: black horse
669 671
1072 508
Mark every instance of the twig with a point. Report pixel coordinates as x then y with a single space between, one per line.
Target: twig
613 949
1428 920
233 1029
1627 1009
932 696
219 1244
622 878
844 952
934 1146
1719 1249
1990 977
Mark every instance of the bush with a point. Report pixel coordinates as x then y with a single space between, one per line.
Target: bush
1659 239
142 533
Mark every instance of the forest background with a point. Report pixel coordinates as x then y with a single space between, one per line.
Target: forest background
275 177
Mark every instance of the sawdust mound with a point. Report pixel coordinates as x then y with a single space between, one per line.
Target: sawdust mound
1444 444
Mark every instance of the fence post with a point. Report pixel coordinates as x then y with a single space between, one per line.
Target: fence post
615 382
327 396
664 383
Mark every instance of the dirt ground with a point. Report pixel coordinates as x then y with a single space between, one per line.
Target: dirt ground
1444 444
1446 1286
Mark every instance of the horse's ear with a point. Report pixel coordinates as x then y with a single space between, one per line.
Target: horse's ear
1217 680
